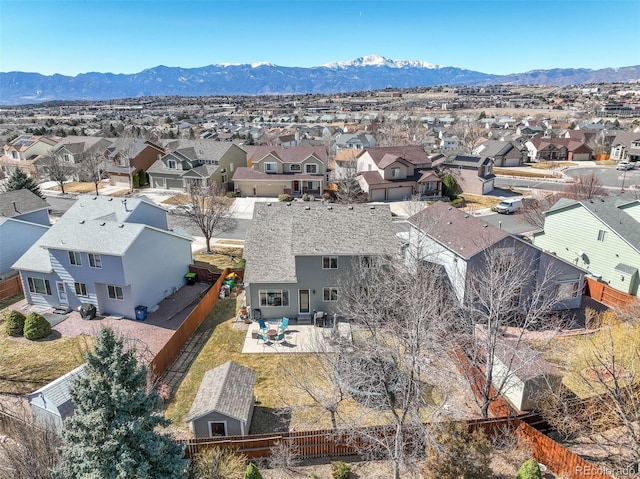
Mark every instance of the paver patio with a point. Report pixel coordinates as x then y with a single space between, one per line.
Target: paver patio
298 338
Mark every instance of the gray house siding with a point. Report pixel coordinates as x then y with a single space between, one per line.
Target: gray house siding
234 427
149 215
16 237
235 157
40 217
40 299
153 280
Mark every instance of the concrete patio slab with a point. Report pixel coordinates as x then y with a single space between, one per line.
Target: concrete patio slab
298 338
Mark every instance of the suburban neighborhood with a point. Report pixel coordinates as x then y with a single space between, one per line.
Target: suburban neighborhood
330 278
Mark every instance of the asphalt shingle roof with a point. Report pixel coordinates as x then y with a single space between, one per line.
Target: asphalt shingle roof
20 202
228 390
281 231
58 392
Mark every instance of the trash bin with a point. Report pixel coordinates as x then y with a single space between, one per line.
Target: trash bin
141 313
87 311
229 282
191 278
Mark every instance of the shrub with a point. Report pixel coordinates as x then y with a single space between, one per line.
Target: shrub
458 453
529 470
230 194
36 327
285 198
340 470
14 324
219 463
240 264
308 197
252 472
458 202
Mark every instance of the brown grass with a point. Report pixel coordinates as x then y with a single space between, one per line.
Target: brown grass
219 259
178 199
79 187
550 165
120 193
479 201
520 173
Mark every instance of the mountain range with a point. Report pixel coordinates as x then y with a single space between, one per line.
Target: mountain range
371 72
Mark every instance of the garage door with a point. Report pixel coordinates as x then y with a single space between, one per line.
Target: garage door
399 194
174 184
377 195
120 181
269 189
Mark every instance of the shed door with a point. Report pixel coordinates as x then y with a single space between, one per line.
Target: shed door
217 428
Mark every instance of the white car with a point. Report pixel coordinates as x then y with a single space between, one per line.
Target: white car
624 165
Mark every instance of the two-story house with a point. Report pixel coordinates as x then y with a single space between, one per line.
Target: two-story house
22 152
196 162
24 217
474 174
601 235
353 141
73 150
397 173
273 171
298 254
114 253
626 146
557 149
460 243
127 157
503 153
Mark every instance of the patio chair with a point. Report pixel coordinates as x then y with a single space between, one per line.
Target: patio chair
264 327
279 337
264 336
284 324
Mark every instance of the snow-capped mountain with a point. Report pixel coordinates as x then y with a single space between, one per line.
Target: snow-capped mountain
371 72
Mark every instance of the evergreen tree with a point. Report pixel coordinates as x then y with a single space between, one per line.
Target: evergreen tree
19 180
112 433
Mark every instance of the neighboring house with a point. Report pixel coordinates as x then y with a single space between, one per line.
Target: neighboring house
450 143
24 217
298 254
224 403
397 173
126 157
600 235
503 153
457 241
626 146
52 403
198 162
22 152
73 150
115 254
557 149
352 141
273 171
474 174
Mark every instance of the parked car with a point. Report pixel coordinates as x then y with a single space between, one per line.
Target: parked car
509 205
624 165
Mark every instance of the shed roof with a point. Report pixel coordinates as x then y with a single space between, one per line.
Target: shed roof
228 390
58 392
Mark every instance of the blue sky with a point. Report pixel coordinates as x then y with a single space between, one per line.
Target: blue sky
501 36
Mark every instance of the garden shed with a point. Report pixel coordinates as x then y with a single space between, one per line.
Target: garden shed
52 403
224 403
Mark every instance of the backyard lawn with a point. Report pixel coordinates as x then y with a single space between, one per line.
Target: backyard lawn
219 259
79 187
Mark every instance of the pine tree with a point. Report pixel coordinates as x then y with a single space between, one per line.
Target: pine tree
112 433
19 180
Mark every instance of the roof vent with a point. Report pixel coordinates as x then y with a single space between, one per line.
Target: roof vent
484 226
372 207
94 198
466 216
450 207
268 204
103 223
289 204
307 208
110 199
448 222
120 225
350 207
330 207
81 222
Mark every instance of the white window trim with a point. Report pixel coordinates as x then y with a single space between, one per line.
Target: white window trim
329 289
315 167
602 236
575 291
329 258
97 260
226 431
267 165
31 283
75 258
77 285
295 168
395 172
115 292
172 162
266 292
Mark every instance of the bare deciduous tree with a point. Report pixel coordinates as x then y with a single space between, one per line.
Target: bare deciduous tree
506 295
91 167
533 209
57 168
586 187
211 210
470 133
346 180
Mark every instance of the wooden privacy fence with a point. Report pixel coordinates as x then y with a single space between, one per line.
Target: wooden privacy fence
171 349
606 294
205 275
10 287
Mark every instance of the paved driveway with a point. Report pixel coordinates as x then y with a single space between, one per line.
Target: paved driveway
243 207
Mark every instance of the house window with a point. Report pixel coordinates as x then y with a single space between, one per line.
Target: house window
366 261
171 164
231 167
602 234
567 290
95 260
39 286
329 262
224 178
81 289
115 292
311 168
395 172
329 294
217 429
274 297
67 158
14 155
295 168
74 258
270 168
